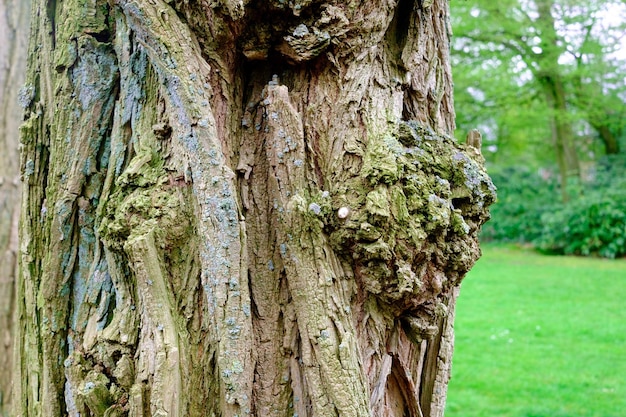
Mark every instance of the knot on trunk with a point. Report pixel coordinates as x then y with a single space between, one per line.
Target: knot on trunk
415 212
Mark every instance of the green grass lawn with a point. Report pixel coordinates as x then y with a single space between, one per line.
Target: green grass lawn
540 336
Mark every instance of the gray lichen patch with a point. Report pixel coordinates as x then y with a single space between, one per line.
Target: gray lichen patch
304 44
312 208
414 218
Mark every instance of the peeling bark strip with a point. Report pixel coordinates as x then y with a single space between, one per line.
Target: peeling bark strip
241 208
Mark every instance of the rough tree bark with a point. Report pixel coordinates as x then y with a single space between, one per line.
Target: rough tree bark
241 208
14 16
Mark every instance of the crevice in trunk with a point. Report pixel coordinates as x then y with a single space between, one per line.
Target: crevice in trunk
398 30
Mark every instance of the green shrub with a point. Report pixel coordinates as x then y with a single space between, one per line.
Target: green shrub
523 197
590 225
593 222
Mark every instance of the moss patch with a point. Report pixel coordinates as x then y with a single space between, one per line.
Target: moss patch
419 202
144 200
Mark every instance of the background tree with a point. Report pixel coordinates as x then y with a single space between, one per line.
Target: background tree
554 62
14 16
227 213
539 78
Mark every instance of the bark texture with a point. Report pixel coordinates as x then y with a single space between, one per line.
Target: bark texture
14 17
242 208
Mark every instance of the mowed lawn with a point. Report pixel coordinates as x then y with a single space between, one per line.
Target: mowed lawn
540 336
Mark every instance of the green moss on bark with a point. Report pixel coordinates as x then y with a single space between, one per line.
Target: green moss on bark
418 194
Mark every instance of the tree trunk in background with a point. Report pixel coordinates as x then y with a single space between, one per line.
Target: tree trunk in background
606 135
603 118
551 80
14 17
225 215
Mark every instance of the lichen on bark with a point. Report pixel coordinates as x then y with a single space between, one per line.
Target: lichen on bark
416 209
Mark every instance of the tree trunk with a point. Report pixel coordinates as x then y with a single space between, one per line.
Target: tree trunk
226 215
552 83
560 130
603 118
606 135
14 16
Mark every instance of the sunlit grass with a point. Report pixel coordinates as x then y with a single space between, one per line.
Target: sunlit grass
540 336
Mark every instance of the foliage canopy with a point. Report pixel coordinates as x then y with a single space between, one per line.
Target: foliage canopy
545 81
